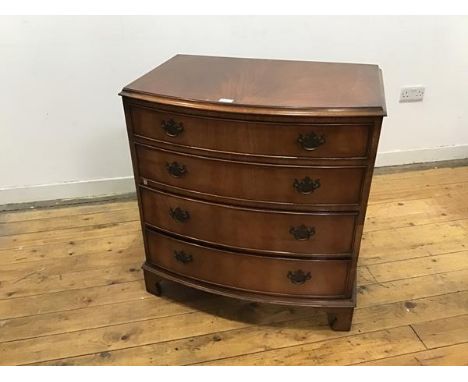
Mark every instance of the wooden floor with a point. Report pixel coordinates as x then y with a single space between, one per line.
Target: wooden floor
71 291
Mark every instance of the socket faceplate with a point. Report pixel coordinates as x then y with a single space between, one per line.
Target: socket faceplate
412 93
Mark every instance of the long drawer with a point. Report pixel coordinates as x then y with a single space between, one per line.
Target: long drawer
253 138
320 278
252 181
300 234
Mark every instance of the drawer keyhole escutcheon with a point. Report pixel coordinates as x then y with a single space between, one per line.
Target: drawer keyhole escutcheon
183 257
306 185
302 232
172 128
299 276
180 215
311 141
176 170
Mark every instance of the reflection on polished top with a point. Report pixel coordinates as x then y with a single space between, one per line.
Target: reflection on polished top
319 87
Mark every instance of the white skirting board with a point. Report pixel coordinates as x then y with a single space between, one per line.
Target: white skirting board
437 154
68 190
124 185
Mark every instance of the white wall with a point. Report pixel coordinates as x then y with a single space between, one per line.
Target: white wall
62 126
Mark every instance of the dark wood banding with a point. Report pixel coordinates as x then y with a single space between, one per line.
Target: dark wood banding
266 231
326 278
155 275
259 138
251 181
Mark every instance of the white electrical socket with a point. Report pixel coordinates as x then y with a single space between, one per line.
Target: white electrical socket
412 94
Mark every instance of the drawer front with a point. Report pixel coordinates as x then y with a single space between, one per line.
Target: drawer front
254 138
256 230
324 278
252 181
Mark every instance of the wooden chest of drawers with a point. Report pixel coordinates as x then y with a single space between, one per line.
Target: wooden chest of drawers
253 176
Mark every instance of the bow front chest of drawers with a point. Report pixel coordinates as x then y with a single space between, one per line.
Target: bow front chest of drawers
253 176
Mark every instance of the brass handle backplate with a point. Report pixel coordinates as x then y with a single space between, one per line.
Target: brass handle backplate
299 276
183 257
179 214
176 170
306 185
302 232
310 141
172 128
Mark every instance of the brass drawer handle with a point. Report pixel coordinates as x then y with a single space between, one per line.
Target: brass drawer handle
311 141
299 276
179 214
176 170
183 257
302 232
172 128
306 185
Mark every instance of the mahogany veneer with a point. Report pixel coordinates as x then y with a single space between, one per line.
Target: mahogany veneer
253 176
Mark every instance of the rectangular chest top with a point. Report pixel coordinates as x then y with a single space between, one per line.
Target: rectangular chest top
263 86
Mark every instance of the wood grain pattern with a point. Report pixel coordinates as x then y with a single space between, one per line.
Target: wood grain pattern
119 323
454 355
248 272
262 86
252 138
397 270
443 332
333 352
249 229
82 220
250 181
80 210
131 333
79 245
67 234
281 334
39 282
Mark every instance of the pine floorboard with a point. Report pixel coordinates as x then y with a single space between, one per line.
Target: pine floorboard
71 291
